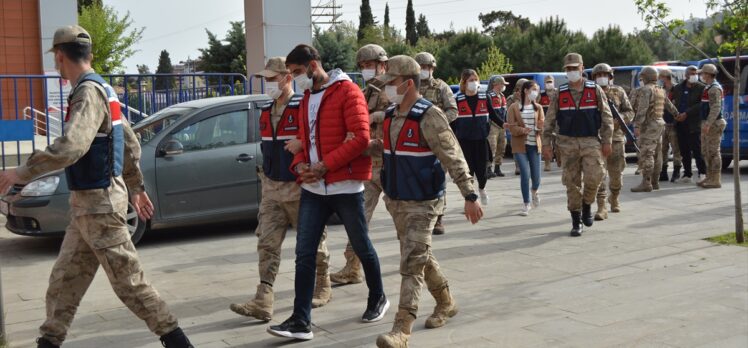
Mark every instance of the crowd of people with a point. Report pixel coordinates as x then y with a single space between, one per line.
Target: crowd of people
332 148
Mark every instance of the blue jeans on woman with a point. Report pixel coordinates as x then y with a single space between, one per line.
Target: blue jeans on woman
529 168
314 210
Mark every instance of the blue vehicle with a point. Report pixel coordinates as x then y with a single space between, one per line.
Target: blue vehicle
628 76
728 111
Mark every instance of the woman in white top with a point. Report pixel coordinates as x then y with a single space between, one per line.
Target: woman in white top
526 120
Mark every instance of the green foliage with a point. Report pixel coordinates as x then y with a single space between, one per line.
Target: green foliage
164 67
728 239
386 20
468 49
496 63
410 24
613 47
365 19
422 27
542 47
230 57
111 36
87 3
337 46
495 22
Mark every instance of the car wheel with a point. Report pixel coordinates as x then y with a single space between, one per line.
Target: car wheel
726 163
135 225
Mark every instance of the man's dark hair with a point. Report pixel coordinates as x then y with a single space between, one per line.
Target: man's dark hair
75 51
416 80
302 55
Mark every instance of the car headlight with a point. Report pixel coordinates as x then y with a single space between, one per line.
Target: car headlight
41 187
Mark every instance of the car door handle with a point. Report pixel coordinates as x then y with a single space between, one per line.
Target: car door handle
244 158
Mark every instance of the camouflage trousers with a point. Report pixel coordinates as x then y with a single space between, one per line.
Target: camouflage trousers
650 151
273 221
497 143
670 141
710 145
414 222
372 192
90 241
582 163
614 166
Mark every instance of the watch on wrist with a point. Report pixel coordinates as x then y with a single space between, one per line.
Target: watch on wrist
471 197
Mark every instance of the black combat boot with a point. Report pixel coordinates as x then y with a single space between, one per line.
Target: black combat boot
663 173
576 224
489 173
587 214
176 339
676 173
42 342
497 170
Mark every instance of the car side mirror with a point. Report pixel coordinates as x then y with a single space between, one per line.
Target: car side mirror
172 148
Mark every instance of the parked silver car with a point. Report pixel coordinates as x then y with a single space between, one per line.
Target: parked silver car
199 161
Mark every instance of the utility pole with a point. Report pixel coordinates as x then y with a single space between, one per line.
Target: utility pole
329 13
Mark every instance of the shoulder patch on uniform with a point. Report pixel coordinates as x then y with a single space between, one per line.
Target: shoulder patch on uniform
459 96
589 83
390 111
267 105
419 109
564 87
482 95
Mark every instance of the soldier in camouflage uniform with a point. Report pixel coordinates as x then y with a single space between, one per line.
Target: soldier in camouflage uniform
670 135
372 61
581 118
545 100
515 98
616 162
438 93
497 135
280 193
418 140
712 127
651 102
101 155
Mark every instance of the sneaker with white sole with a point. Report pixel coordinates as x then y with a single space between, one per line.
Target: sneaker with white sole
685 180
525 209
483 198
376 309
535 200
293 327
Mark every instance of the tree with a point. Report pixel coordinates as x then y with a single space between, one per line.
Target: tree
143 69
336 46
497 21
87 3
732 30
230 57
467 49
164 67
496 63
386 20
365 19
410 24
111 36
422 27
611 46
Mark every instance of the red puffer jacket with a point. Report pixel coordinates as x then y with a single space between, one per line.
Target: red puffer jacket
343 109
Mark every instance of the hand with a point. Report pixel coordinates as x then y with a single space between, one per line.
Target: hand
375 146
376 117
8 178
527 130
348 137
473 212
293 146
547 153
705 129
319 169
607 150
305 174
143 205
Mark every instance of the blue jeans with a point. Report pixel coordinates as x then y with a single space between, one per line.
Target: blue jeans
529 167
314 210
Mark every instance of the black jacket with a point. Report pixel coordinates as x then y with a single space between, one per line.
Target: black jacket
692 124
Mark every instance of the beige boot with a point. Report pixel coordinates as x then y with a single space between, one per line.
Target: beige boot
602 210
445 308
715 180
322 291
655 181
401 329
351 272
261 307
615 206
644 186
547 167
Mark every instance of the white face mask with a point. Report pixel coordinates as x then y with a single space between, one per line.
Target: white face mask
693 79
368 74
392 95
574 76
549 86
533 95
424 74
272 89
303 82
472 86
502 89
602 81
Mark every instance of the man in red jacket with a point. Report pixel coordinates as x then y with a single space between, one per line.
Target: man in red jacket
332 173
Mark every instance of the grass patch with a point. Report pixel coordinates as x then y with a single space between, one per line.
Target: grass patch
729 239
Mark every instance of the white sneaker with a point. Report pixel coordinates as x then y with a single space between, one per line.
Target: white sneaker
685 180
483 197
525 209
535 200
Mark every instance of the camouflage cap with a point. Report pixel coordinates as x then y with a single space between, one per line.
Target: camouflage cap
602 68
648 74
573 60
425 58
371 52
274 67
665 72
498 80
520 83
709 69
401 66
692 68
70 34
549 78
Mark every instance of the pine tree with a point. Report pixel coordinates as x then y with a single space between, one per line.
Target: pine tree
386 20
422 27
365 19
410 25
164 67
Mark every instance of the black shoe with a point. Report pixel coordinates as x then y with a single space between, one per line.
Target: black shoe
375 310
490 174
663 174
176 339
42 342
576 224
293 327
497 170
587 215
676 174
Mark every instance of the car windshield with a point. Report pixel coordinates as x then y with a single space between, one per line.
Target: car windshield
148 130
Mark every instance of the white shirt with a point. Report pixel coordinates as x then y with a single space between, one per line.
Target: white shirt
320 188
528 117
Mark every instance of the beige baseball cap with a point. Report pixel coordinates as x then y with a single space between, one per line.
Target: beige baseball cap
274 67
401 66
665 72
70 34
709 69
548 78
573 60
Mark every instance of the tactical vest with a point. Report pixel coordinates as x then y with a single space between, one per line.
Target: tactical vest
578 121
498 102
669 118
471 124
657 103
276 160
705 108
105 156
545 101
411 171
430 91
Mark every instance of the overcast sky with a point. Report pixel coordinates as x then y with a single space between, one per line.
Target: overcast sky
179 26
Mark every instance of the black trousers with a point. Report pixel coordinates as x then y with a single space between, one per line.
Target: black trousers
690 148
477 155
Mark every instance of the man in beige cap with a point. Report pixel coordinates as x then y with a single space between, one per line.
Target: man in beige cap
581 117
100 154
545 100
417 137
669 136
437 92
279 125
497 135
712 126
